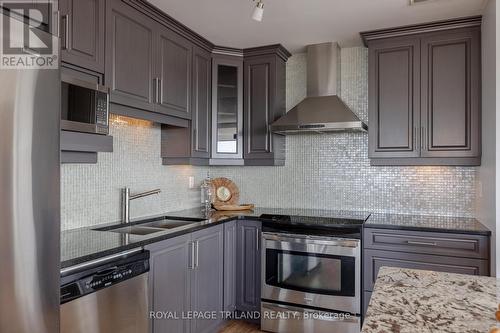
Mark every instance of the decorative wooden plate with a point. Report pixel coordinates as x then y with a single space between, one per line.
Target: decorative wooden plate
233 207
225 192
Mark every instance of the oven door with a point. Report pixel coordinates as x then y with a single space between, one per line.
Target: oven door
314 271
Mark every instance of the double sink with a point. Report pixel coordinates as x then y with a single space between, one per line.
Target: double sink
149 226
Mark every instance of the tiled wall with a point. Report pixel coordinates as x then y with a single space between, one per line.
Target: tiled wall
329 171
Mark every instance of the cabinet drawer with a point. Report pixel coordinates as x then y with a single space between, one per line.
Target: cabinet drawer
374 259
456 245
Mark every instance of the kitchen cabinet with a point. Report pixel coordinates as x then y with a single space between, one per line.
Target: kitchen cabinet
191 145
82 33
129 56
248 265
227 109
202 103
264 102
173 74
148 66
169 280
424 94
207 277
436 251
230 260
187 275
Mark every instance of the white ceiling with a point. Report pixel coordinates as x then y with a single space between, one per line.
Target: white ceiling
297 23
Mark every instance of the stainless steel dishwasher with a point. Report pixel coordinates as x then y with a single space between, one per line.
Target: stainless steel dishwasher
108 295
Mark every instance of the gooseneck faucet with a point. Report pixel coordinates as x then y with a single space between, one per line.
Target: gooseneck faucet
126 198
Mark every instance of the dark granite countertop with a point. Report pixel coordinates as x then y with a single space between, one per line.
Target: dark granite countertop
448 224
85 244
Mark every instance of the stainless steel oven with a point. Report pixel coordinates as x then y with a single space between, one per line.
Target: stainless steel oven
84 106
314 273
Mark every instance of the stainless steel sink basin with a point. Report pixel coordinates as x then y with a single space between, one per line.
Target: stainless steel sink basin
150 226
168 224
136 230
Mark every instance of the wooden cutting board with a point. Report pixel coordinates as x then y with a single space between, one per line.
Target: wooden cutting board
233 207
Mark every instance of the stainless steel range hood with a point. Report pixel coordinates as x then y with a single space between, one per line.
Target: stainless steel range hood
322 110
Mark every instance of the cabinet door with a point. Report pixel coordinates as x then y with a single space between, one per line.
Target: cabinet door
202 103
374 259
230 259
227 108
174 61
82 33
129 56
264 102
451 93
169 282
394 97
248 266
207 277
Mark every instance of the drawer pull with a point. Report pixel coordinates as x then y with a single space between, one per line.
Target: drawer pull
420 243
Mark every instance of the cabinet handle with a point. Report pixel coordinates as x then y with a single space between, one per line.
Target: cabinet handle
197 244
191 264
65 17
421 243
415 138
257 240
160 91
422 138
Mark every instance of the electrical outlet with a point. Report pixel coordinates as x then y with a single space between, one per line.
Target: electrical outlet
480 189
191 182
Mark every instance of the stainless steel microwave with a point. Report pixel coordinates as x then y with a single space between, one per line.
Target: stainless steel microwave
84 106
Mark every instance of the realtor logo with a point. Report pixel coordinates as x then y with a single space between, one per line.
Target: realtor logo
26 41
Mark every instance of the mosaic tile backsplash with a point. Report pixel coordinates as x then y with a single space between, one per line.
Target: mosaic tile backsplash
325 171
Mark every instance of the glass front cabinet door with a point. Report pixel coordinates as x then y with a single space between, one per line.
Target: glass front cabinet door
227 109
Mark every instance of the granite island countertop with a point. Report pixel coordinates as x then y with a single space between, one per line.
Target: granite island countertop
409 301
449 224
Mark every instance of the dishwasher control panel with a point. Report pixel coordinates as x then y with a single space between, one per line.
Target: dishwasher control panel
103 276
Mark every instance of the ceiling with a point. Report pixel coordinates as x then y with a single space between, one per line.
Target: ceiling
297 23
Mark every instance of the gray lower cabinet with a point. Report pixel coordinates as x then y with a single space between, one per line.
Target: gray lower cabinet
82 33
264 102
169 280
424 94
248 265
207 277
230 260
187 275
435 251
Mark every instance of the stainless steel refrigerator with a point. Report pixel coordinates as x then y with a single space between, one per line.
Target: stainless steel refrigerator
29 199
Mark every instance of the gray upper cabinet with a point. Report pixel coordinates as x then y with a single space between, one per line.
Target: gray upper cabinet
227 108
248 266
173 74
264 102
424 94
394 84
201 103
451 71
129 56
82 33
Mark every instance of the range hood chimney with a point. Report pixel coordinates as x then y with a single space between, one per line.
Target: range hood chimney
322 110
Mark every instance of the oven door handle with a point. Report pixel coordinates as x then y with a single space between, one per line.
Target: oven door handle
296 238
319 315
